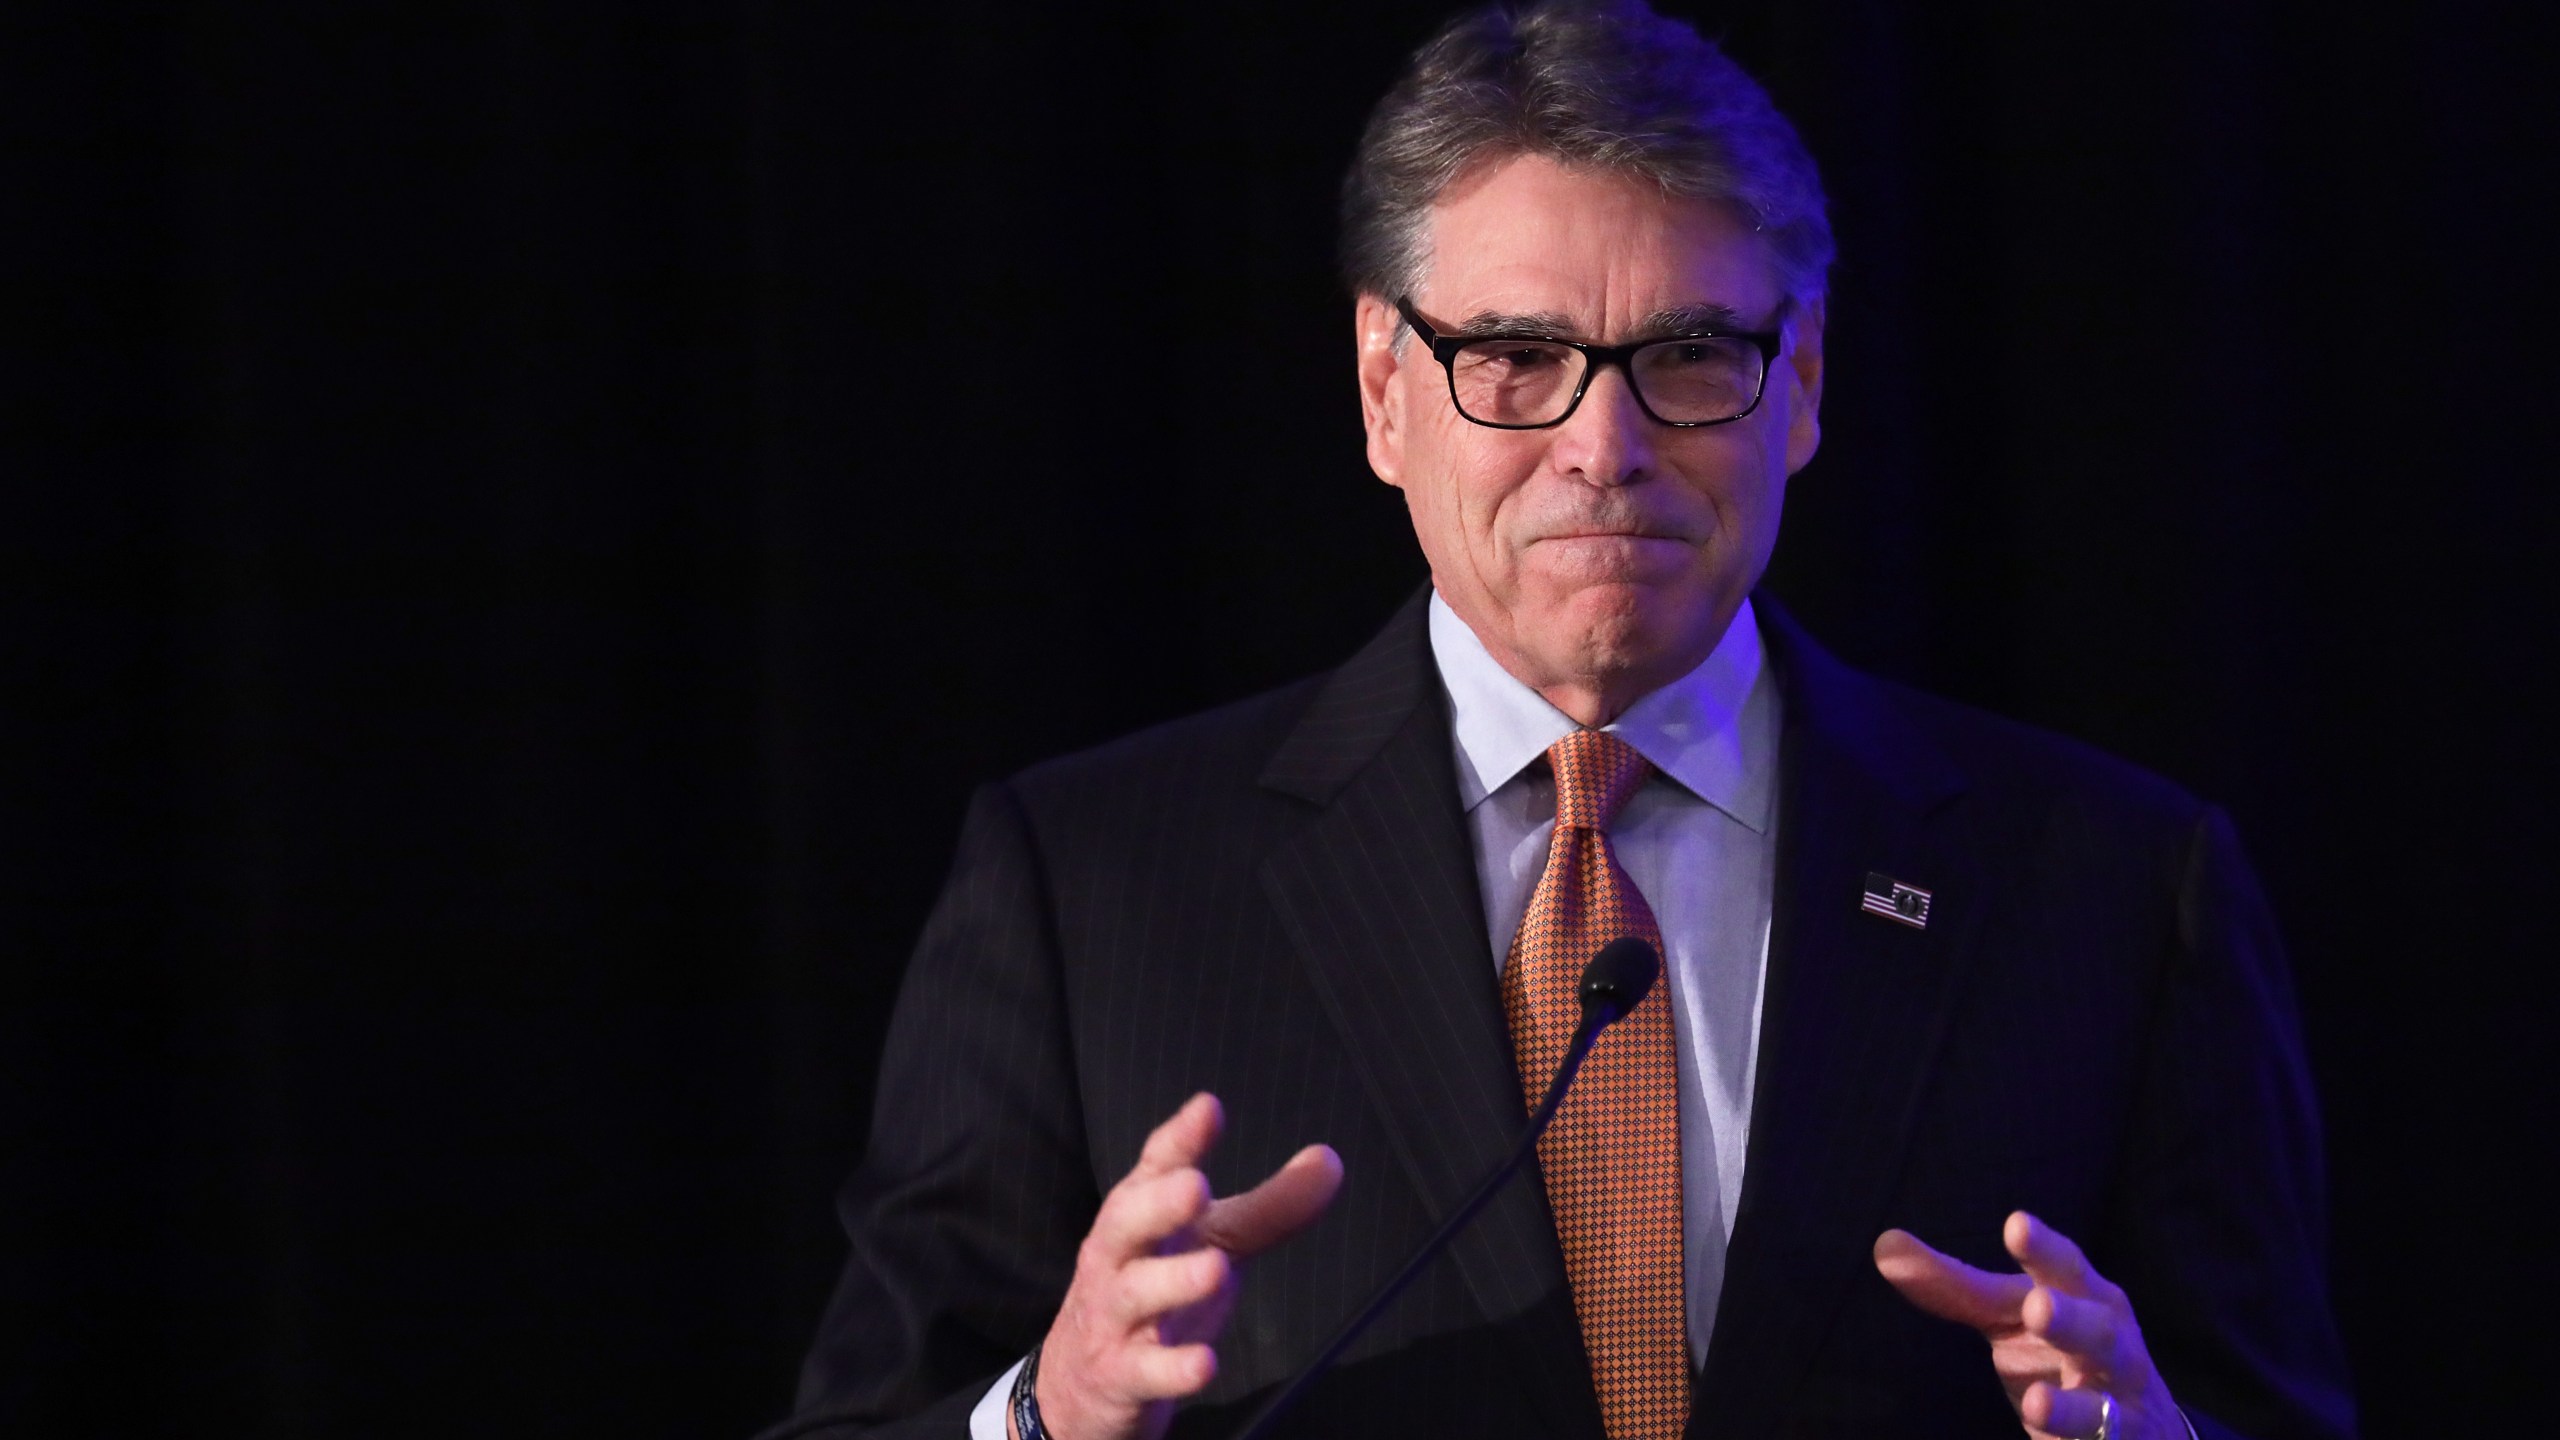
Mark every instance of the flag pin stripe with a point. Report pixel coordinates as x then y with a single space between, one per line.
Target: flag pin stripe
1903 904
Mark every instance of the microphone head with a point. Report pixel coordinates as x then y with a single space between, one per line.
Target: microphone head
1618 978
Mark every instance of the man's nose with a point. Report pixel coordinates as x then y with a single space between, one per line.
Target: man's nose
1608 439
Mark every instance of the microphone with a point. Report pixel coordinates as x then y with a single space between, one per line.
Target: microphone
1618 978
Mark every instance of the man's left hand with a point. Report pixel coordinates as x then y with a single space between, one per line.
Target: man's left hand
2062 1336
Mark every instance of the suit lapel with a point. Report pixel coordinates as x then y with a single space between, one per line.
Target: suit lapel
1379 894
1854 1010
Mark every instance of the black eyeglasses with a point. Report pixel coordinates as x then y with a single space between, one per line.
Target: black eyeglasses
1530 382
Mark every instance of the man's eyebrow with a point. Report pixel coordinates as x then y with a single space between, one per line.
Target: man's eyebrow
1505 322
1677 320
1690 320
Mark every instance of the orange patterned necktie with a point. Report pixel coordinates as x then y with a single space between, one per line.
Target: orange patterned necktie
1612 1157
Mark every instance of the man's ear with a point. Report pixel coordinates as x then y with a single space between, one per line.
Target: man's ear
1375 323
1803 374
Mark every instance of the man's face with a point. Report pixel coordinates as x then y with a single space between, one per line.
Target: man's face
1602 558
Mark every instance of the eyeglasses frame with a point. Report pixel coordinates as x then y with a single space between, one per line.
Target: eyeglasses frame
1445 348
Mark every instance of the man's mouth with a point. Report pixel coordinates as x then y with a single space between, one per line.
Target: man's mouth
1635 533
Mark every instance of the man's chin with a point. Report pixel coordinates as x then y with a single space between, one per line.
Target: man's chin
1628 628
1631 602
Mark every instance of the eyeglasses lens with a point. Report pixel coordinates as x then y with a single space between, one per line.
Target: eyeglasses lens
1532 382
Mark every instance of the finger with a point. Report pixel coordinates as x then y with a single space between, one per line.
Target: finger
2073 1413
1203 1321
1183 1140
2047 1255
2082 1329
1140 1214
1281 1206
1152 1286
1169 1372
1947 1287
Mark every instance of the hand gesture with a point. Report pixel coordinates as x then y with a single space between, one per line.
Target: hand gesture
1156 1279
2062 1336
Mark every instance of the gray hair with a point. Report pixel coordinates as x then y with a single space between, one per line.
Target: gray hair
1598 84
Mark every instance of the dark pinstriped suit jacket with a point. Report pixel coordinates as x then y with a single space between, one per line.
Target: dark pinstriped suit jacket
1277 902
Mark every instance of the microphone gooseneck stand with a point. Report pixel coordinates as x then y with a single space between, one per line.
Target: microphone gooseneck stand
1618 977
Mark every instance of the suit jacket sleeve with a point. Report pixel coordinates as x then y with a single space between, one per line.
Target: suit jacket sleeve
2220 1202
975 1191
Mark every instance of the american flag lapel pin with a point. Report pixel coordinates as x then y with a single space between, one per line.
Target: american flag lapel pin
1895 901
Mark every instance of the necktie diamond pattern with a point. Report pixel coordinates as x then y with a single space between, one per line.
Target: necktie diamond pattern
1612 1157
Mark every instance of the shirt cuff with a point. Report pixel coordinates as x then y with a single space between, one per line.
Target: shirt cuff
987 1421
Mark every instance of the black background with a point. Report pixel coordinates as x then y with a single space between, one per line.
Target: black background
524 522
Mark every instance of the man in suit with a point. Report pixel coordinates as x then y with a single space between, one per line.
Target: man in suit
1927 973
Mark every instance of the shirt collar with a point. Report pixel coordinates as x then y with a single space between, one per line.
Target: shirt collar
1713 730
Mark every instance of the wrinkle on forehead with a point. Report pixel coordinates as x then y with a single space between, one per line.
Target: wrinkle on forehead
1554 237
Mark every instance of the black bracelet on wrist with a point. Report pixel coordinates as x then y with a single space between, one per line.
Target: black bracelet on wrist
1026 1406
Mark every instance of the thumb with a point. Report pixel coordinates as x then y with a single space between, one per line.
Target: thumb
1278 1208
1949 1288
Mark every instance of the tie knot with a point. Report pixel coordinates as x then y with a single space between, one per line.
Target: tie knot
1596 774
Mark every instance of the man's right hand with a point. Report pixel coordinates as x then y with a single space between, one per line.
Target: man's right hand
1156 1279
